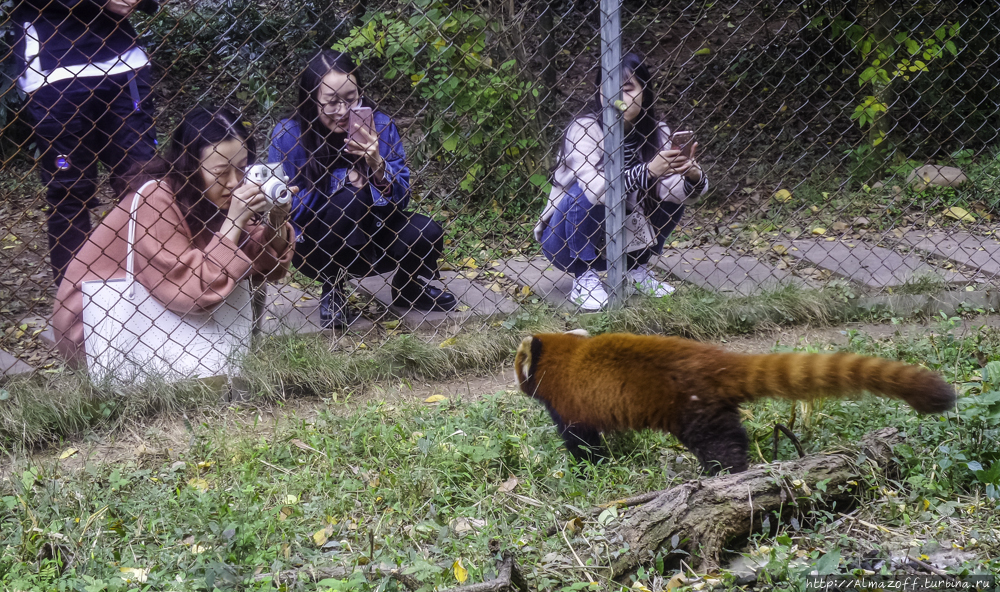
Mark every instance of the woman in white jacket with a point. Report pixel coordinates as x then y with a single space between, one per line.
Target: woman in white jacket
658 180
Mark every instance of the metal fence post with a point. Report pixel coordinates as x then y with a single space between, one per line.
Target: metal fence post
611 88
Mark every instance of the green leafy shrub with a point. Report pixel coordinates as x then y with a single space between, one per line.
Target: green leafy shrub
478 116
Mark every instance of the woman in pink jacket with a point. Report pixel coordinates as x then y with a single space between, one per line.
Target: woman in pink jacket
199 229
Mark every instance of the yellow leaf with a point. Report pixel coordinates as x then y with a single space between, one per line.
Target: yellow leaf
525 291
782 195
461 574
291 500
435 399
819 230
320 538
676 582
135 574
198 549
205 465
468 262
640 587
390 325
703 51
959 214
448 342
198 484
68 453
780 249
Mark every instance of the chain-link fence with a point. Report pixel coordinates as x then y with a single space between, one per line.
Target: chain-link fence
461 170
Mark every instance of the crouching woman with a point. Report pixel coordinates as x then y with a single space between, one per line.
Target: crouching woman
199 229
658 180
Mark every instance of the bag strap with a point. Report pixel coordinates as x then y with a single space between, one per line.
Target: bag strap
130 257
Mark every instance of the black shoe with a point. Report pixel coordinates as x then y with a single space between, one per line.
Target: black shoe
334 311
421 296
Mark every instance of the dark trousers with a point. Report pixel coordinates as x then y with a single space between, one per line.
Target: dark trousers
78 123
664 218
350 235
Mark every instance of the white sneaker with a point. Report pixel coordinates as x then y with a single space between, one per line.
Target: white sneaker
646 283
588 292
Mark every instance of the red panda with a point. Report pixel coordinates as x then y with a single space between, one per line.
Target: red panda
693 390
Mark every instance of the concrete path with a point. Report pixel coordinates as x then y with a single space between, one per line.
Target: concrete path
498 290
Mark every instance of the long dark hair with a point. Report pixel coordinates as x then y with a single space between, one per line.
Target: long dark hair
314 136
200 128
646 127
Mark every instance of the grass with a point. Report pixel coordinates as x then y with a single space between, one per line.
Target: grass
40 409
424 487
701 314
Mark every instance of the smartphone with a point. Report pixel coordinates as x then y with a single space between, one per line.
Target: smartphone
360 117
683 141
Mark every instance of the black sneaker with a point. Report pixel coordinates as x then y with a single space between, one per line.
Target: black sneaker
418 295
334 311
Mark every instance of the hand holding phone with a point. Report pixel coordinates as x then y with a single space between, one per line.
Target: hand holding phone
684 142
360 118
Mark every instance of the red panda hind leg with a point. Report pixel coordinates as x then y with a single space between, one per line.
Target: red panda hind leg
717 437
582 441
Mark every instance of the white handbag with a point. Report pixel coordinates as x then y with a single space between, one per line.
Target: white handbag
129 335
639 232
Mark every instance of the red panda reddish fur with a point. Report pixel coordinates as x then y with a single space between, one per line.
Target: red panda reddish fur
693 390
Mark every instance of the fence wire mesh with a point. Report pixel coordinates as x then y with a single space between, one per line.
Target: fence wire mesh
845 145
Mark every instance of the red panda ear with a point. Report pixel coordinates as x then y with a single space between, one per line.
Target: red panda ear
523 357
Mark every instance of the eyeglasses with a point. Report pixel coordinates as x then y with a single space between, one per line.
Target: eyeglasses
334 106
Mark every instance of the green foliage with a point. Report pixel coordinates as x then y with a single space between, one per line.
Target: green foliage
242 42
478 116
885 61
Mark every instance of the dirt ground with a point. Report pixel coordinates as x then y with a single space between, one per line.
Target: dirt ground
169 436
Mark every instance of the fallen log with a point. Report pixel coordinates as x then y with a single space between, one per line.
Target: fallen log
706 514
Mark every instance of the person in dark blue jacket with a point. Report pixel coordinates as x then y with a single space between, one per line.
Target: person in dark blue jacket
349 214
88 91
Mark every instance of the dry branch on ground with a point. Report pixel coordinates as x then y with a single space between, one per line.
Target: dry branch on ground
706 514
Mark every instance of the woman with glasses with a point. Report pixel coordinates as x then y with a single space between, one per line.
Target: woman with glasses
350 216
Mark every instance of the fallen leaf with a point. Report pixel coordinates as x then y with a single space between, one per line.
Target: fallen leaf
320 537
135 574
508 485
198 484
291 500
819 230
435 399
574 526
68 453
959 214
782 195
303 446
198 549
461 574
390 325
780 249
676 582
703 51
448 342
205 465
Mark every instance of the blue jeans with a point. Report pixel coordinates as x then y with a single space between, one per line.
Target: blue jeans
574 238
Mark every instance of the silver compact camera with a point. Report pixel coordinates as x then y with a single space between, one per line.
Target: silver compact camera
273 182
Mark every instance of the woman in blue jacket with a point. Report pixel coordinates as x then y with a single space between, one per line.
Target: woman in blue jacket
349 214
